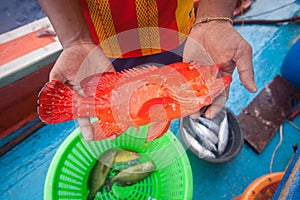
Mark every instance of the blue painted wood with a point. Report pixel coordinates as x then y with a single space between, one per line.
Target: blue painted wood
23 169
292 172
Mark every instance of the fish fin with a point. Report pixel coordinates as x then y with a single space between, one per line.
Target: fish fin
107 81
157 130
159 116
138 71
56 103
102 81
103 130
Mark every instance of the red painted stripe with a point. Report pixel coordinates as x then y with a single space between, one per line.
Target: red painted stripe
166 21
125 21
86 14
23 45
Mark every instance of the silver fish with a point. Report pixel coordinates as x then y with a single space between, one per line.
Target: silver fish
209 124
223 134
207 137
202 151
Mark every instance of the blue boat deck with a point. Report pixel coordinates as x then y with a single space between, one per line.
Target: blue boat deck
23 169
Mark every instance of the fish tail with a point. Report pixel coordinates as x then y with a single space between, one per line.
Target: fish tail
55 103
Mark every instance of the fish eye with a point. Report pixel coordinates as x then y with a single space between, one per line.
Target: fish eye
192 64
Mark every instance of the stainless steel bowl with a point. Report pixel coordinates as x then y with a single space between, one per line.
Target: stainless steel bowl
235 140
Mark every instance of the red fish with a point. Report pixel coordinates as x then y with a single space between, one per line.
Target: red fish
134 97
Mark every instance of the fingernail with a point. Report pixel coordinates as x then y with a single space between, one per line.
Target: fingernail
254 88
209 114
212 112
195 115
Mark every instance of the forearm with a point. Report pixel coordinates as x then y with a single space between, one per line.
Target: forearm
215 8
67 19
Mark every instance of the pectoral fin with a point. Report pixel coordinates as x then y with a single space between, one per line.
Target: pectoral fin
157 129
103 130
160 124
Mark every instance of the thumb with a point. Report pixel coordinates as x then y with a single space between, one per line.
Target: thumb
84 122
55 75
86 128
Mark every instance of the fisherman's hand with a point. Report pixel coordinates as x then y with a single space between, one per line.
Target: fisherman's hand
75 63
224 46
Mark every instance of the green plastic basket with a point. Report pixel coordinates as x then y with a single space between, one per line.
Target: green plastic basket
69 170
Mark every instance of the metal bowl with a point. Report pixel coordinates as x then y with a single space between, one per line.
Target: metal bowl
235 140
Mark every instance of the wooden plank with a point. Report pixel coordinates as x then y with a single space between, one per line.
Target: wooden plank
25 44
19 105
266 112
13 142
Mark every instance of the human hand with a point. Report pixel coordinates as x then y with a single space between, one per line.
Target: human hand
76 63
224 46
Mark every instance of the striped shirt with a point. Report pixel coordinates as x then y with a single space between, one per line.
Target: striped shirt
133 28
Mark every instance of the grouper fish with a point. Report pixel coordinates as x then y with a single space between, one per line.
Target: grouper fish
136 97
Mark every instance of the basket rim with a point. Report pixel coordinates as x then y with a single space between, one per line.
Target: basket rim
260 183
53 174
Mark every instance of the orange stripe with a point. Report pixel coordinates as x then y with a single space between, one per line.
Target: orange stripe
185 17
104 26
147 19
23 45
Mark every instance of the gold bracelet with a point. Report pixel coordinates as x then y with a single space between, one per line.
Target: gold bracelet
209 19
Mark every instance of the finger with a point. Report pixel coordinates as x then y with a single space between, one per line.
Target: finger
199 113
213 110
86 128
84 122
195 115
56 75
217 105
244 64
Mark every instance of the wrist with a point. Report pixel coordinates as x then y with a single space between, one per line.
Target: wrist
211 19
206 24
215 8
77 41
